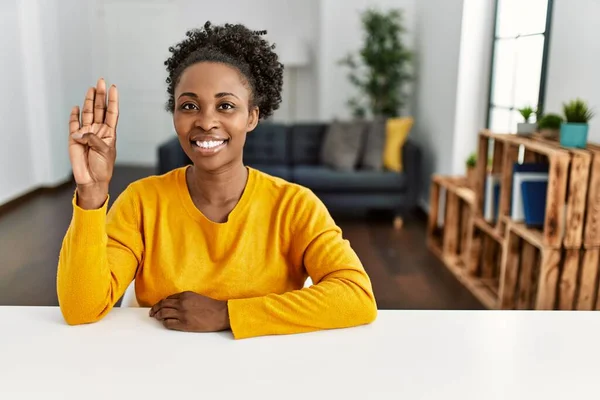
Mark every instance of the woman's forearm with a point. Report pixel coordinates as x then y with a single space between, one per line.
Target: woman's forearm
94 267
340 301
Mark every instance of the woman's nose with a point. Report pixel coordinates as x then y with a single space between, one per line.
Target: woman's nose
206 120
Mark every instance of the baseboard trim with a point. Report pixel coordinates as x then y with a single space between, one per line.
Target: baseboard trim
17 201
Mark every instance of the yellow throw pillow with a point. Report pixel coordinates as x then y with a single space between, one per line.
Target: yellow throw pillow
397 130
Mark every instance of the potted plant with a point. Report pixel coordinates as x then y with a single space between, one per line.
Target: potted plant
574 132
471 174
549 126
380 70
526 128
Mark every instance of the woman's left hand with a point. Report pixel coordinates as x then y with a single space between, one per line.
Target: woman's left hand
191 312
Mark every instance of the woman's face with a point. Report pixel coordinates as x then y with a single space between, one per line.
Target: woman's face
212 115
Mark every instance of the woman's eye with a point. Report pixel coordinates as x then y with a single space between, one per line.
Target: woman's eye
226 106
189 106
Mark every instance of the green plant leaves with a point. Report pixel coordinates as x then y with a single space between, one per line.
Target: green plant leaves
381 69
550 121
527 112
577 111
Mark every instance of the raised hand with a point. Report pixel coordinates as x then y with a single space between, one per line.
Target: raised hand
92 142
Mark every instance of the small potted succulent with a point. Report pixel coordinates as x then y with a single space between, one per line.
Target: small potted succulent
471 175
549 126
527 127
574 131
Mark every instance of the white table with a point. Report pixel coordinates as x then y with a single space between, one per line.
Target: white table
409 355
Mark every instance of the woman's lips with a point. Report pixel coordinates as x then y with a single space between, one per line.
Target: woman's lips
208 146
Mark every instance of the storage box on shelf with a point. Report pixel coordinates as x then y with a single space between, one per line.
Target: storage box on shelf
504 262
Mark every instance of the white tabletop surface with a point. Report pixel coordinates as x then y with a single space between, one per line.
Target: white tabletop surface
411 355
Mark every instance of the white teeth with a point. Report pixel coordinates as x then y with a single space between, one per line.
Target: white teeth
209 144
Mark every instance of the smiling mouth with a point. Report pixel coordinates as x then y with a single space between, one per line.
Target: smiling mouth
208 144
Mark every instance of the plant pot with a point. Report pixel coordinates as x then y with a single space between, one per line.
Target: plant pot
526 128
471 177
552 134
574 135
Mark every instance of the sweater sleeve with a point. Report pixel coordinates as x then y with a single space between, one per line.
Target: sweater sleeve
341 295
98 259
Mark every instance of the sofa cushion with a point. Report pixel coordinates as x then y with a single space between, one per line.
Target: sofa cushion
267 144
320 178
306 141
280 171
342 145
397 130
372 155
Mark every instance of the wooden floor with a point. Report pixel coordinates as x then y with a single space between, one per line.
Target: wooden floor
405 275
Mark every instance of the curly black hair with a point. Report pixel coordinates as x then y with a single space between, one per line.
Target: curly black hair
239 47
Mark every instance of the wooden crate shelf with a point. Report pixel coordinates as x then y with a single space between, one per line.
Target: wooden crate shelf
529 271
585 186
506 264
483 251
592 224
545 278
485 290
507 147
578 284
449 241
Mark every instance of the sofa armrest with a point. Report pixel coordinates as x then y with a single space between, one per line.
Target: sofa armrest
171 156
412 166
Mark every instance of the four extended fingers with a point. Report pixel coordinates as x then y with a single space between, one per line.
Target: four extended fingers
96 112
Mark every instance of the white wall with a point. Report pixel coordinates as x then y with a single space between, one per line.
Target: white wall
574 58
73 50
133 37
341 33
473 79
46 56
17 173
438 37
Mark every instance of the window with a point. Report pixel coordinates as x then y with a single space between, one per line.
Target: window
519 56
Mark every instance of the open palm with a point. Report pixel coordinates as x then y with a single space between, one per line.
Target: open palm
92 139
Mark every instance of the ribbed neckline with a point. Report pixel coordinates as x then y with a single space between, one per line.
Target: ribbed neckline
196 214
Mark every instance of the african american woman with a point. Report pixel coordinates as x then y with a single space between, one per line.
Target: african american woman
215 245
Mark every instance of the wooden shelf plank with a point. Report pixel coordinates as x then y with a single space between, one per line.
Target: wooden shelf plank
591 234
532 236
468 195
589 278
478 287
483 289
530 144
488 229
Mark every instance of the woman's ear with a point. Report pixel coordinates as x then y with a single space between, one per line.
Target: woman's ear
252 119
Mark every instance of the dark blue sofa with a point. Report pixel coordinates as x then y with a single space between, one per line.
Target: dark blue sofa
292 153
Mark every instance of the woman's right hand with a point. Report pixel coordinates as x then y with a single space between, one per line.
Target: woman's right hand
92 141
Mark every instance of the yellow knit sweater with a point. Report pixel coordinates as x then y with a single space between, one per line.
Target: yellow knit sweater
278 234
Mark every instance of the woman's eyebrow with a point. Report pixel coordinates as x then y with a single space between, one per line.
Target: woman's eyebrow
189 94
217 96
224 94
